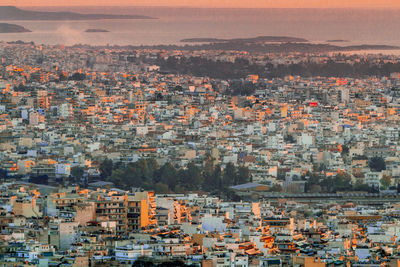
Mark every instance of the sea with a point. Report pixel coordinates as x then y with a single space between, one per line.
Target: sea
352 26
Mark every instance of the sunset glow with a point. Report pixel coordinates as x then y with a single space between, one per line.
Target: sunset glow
216 3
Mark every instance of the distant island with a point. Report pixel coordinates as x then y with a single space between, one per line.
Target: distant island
96 30
260 47
12 28
265 39
19 42
14 13
337 41
367 47
262 44
203 40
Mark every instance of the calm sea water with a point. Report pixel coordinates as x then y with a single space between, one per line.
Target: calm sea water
359 26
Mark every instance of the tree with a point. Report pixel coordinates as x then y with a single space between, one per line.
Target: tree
78 76
315 189
377 164
106 168
243 175
182 177
360 186
385 181
276 188
231 195
168 175
208 165
41 179
289 139
147 167
178 88
320 167
77 172
161 188
117 177
342 182
229 177
3 174
62 76
213 181
144 262
345 150
313 180
141 173
194 178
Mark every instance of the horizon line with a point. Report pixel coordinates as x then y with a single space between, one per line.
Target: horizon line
197 7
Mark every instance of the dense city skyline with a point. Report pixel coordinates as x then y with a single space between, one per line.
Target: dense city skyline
210 133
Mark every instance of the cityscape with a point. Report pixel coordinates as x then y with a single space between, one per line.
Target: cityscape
213 152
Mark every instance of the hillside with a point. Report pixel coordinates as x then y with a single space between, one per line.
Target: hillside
12 28
14 13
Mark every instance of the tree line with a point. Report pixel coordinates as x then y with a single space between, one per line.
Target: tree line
167 178
240 68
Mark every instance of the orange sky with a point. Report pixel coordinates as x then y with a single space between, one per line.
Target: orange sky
215 3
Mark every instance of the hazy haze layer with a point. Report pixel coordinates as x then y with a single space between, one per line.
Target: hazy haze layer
318 25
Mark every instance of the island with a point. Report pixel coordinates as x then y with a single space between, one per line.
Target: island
273 47
14 13
367 47
12 28
265 39
337 41
203 40
96 30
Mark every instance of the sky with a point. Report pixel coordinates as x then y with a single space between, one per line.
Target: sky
215 3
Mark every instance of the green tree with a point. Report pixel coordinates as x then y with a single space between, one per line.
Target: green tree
181 177
229 176
194 179
141 172
360 186
345 150
78 76
315 189
231 195
213 181
208 165
178 88
385 181
77 172
275 188
289 139
41 179
342 182
3 174
117 177
106 168
314 179
161 188
377 164
147 168
168 175
243 175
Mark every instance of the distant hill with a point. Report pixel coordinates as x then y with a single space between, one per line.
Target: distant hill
14 13
12 28
265 39
273 47
337 41
96 30
367 47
